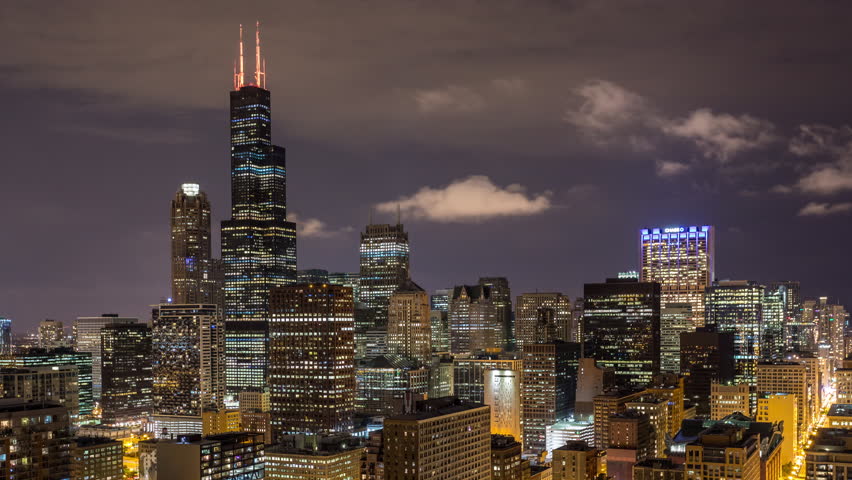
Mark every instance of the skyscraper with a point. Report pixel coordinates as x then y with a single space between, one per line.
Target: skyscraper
87 338
774 320
737 307
533 308
60 357
675 318
706 356
621 328
258 243
409 328
194 275
548 388
501 296
384 266
473 322
126 372
51 334
312 359
188 362
5 336
347 279
681 260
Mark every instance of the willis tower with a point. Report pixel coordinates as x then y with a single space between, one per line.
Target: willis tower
258 243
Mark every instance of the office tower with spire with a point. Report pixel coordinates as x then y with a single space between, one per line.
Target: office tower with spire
194 275
258 243
312 360
384 266
681 260
409 327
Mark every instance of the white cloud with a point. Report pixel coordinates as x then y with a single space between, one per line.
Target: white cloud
826 180
666 168
472 199
818 139
822 209
314 227
722 135
784 189
606 107
450 99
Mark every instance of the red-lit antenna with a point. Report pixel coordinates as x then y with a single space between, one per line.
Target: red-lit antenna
259 64
239 76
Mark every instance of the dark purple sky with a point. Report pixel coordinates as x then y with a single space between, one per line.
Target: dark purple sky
580 122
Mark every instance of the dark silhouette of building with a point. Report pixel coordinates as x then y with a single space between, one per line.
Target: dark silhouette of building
126 372
706 356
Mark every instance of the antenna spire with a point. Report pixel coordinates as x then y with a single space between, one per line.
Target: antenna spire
259 63
398 215
239 76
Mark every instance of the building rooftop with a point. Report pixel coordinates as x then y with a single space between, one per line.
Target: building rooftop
576 446
499 442
840 410
94 441
10 405
437 407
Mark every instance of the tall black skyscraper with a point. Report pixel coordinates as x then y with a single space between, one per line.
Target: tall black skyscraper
258 243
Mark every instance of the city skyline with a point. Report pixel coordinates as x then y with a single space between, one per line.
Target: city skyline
596 213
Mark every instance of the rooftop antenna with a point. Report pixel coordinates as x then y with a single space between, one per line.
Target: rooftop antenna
398 215
259 65
239 76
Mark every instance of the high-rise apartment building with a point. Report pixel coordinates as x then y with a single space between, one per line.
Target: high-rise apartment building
385 384
228 456
606 405
721 449
188 359
830 455
384 264
774 343
36 440
576 461
51 334
312 359
681 260
96 458
621 328
334 458
726 399
347 279
194 275
127 373
5 336
501 296
60 357
548 388
440 300
409 327
473 321
440 330
42 384
258 243
737 307
505 458
444 438
87 338
536 310
675 319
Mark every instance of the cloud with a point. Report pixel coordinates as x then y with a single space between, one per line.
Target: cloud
315 228
826 180
819 139
722 135
606 107
823 209
472 199
451 99
783 189
666 168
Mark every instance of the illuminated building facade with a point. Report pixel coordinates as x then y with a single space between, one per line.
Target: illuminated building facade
347 279
188 359
127 372
36 440
384 264
228 456
501 297
606 405
737 307
194 279
51 334
548 389
790 378
312 359
97 458
781 407
440 330
681 260
576 460
258 243
503 395
728 399
473 321
60 357
312 275
384 384
442 438
87 338
535 309
42 384
568 431
5 336
505 458
830 455
621 328
334 458
773 341
723 452
440 300
675 319
409 328
469 374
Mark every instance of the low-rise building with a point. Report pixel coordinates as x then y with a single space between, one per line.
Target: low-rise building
229 456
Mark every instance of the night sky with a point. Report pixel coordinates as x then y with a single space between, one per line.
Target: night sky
528 139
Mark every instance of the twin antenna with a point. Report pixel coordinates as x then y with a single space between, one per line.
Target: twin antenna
259 63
